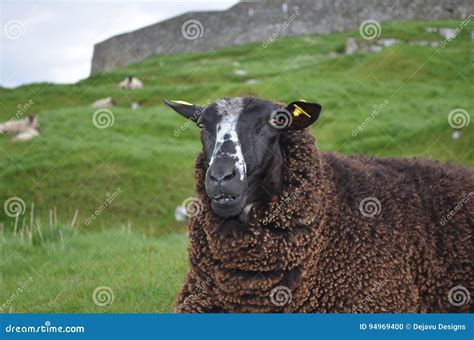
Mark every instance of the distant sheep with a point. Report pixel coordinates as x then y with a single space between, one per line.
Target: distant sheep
104 103
21 130
282 227
131 83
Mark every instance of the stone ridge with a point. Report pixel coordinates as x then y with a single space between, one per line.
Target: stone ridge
263 21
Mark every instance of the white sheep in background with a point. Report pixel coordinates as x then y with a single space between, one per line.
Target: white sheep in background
22 130
131 83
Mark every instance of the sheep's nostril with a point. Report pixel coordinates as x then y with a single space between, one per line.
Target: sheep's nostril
229 176
222 176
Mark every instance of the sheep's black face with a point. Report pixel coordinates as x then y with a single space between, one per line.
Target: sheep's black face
240 138
240 146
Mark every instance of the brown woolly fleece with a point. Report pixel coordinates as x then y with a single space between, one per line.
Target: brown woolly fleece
310 249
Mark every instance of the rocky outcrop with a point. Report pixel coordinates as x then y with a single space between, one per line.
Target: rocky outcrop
263 21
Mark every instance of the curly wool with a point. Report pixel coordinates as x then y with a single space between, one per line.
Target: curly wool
310 249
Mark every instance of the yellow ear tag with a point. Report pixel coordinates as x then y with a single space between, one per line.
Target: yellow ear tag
298 110
182 102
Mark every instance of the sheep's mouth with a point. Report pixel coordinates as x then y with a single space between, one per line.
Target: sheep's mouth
223 198
227 205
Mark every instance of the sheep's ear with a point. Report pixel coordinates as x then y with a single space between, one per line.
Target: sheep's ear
185 109
303 114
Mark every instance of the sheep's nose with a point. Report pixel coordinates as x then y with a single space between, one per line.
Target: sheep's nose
221 174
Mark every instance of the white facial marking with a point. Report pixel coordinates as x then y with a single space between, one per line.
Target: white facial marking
229 110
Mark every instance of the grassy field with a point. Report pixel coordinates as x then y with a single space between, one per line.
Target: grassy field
145 159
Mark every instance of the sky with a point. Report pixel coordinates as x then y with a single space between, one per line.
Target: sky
53 40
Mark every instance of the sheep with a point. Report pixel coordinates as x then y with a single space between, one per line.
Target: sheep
23 129
131 83
104 103
283 227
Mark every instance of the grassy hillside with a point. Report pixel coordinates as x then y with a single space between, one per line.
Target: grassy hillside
147 154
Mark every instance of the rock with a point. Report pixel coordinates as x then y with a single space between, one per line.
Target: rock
135 106
424 43
375 48
447 33
419 43
251 81
351 46
180 213
456 135
387 42
240 72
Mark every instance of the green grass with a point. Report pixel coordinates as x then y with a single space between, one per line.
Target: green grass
60 273
148 154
